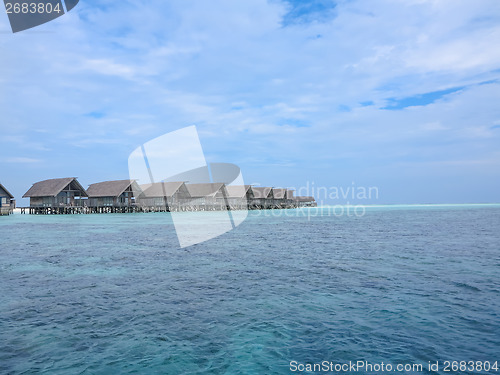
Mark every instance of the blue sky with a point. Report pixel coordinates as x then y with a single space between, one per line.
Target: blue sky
401 95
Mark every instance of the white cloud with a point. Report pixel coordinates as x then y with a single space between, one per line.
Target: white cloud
480 50
108 67
434 126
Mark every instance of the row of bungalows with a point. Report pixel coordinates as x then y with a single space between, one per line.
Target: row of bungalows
179 196
7 201
66 195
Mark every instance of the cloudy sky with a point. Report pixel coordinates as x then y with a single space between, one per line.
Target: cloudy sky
401 95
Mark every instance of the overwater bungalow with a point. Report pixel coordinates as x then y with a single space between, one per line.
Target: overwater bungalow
113 196
263 198
67 196
57 195
164 196
283 198
239 196
305 202
207 197
290 199
279 198
7 201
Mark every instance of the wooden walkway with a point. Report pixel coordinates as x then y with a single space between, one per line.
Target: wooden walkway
135 209
76 210
5 211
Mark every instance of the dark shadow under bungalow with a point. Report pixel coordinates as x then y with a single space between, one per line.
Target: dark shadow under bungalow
7 201
56 196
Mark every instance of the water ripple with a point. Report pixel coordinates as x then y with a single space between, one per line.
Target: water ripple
109 294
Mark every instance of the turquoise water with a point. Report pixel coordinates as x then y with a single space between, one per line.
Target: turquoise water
114 294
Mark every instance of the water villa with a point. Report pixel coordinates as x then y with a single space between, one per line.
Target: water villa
67 196
207 197
164 196
113 196
282 198
56 196
263 198
7 201
239 196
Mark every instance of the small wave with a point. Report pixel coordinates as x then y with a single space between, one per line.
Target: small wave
466 286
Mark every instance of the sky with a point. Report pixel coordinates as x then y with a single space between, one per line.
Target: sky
403 96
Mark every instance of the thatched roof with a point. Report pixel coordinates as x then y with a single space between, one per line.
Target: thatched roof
279 193
304 199
111 188
262 192
204 190
163 189
237 191
289 194
52 187
2 188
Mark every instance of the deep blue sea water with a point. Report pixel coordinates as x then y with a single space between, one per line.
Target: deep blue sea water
114 294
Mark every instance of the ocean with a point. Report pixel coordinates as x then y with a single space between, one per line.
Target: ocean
308 291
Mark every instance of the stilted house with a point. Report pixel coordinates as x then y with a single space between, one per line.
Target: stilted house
56 192
58 195
263 197
113 196
207 196
164 196
279 198
305 202
239 196
7 201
